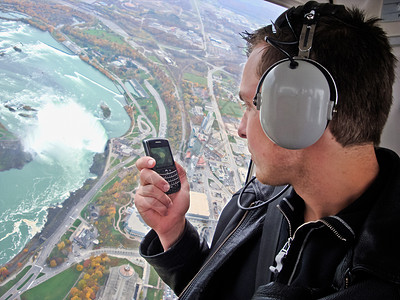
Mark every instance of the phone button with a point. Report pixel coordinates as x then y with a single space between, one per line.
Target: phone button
173 180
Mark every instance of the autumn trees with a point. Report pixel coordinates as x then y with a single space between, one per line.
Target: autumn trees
49 13
59 253
3 273
117 195
93 270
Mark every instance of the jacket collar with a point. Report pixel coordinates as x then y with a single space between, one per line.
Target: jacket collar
375 219
375 250
292 208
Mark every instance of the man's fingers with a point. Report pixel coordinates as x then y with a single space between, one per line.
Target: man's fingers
150 177
145 162
154 205
149 197
181 170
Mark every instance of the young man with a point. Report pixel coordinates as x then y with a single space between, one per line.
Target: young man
331 235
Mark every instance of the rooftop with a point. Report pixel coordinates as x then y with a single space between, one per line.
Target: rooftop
199 205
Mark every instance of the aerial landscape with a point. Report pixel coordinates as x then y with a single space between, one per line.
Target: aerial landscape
85 81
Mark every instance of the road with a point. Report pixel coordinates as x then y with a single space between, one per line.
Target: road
162 131
225 140
202 27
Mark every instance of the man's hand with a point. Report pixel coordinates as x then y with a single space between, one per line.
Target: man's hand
164 213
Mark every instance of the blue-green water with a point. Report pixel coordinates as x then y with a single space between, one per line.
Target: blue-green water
63 134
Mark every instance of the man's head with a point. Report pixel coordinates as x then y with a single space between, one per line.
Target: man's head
357 54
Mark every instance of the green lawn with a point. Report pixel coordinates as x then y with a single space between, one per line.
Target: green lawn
149 105
230 108
154 294
153 280
77 223
115 162
154 58
194 78
102 34
110 183
55 288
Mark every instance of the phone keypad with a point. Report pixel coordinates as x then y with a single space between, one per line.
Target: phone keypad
173 179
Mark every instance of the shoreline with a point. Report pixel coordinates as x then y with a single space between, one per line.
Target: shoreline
56 215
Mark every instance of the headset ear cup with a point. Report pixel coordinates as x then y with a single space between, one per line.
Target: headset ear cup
295 103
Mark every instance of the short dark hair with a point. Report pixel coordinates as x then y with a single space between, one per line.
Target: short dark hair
357 53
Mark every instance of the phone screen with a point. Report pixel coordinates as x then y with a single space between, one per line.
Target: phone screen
163 156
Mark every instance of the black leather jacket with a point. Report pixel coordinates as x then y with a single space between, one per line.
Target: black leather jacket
352 255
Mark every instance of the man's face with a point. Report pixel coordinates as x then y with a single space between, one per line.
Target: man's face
274 165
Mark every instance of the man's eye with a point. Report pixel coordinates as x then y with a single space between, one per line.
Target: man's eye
247 105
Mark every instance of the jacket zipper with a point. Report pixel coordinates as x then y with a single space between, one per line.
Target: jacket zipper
335 232
280 256
213 255
347 281
287 245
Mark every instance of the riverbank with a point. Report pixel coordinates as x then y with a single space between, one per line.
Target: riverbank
56 215
12 155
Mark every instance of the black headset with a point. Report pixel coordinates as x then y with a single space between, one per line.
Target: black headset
297 96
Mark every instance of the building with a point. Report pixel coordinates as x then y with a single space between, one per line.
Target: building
85 237
123 283
135 225
199 208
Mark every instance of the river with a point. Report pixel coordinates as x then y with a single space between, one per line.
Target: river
63 127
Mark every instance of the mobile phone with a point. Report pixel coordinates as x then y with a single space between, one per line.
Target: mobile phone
159 149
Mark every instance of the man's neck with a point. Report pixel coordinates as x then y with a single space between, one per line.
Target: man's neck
335 179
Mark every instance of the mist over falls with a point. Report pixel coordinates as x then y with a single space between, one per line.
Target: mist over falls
64 132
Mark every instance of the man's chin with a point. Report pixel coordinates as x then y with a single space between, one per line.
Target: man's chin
268 180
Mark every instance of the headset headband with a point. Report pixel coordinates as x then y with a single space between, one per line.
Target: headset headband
297 96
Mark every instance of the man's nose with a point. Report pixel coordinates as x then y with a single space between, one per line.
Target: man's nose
242 127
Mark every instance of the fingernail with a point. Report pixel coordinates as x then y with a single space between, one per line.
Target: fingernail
150 162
